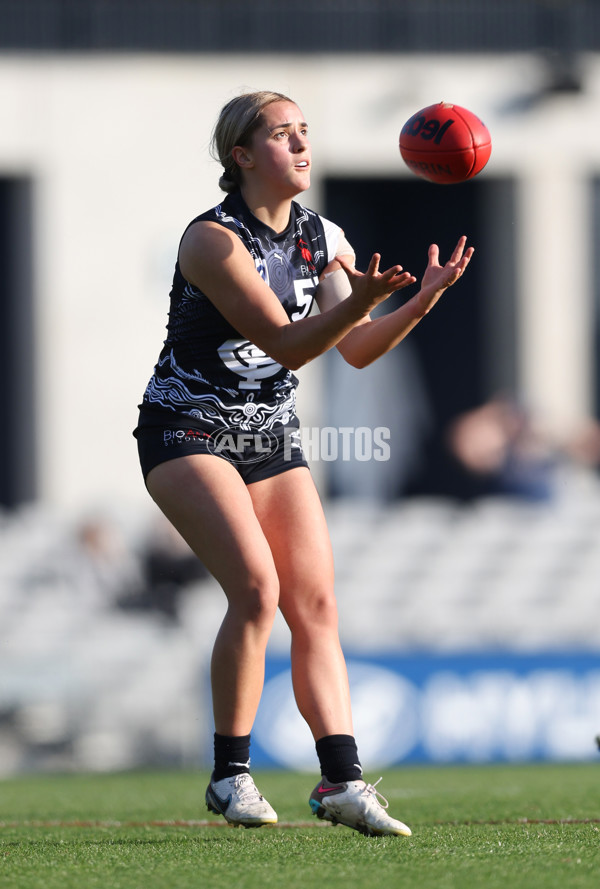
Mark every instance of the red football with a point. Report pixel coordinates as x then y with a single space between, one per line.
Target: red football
445 143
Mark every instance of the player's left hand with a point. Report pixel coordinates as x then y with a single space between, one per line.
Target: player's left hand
438 278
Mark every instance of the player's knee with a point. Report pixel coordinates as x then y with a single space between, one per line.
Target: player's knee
257 602
318 609
324 609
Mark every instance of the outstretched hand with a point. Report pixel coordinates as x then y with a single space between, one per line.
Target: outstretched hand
373 287
367 342
438 278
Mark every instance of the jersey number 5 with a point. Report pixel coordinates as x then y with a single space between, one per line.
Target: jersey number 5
304 290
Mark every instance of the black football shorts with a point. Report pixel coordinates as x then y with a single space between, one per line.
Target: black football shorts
256 453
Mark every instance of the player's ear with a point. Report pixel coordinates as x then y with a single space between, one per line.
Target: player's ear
242 157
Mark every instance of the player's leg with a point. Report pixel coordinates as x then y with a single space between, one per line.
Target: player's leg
290 512
206 500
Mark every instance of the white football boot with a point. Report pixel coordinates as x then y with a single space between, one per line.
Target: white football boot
239 801
356 804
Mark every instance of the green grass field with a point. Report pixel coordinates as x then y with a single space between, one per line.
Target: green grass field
497 826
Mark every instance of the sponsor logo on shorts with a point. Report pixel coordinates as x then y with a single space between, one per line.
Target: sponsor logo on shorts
179 436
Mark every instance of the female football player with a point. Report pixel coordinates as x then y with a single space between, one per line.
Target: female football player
219 440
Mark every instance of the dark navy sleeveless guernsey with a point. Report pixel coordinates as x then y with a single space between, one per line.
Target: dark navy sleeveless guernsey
209 372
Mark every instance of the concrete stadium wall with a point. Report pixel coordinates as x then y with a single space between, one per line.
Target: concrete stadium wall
116 147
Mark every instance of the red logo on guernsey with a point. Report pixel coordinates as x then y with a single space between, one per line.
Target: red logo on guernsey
306 254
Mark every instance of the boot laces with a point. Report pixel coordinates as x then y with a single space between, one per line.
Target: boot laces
246 788
379 797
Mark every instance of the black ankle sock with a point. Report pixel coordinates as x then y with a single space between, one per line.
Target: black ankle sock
232 756
338 756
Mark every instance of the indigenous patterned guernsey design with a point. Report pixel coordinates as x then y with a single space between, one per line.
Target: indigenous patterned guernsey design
209 372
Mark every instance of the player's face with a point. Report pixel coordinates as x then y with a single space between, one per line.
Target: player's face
280 148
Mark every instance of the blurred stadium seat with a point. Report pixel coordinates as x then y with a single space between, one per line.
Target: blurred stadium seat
86 684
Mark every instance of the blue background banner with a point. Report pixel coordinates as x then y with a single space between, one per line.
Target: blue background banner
446 708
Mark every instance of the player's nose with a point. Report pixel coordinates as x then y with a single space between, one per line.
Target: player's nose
300 142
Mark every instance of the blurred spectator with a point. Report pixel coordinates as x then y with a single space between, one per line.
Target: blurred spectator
109 572
495 448
102 567
499 448
168 566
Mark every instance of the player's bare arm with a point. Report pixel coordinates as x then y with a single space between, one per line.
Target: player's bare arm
215 261
367 342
